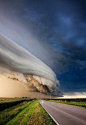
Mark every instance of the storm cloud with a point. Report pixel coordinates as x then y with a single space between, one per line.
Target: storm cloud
58 28
22 63
53 31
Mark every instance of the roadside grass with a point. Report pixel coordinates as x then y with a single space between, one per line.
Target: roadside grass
46 117
80 104
34 114
17 119
9 113
37 116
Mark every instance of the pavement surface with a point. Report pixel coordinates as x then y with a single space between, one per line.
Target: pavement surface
65 114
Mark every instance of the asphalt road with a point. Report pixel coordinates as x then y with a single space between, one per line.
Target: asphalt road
65 114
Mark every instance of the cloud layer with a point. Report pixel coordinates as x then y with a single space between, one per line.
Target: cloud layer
56 29
53 31
17 59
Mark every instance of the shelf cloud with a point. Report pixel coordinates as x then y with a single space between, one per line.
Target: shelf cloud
20 64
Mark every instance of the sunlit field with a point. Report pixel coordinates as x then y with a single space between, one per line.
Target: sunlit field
76 102
23 112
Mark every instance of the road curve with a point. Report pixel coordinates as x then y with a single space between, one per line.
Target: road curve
65 114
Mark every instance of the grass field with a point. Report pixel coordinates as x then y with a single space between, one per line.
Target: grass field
7 103
2 100
75 102
28 112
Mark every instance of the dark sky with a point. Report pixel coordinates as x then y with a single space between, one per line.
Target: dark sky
52 30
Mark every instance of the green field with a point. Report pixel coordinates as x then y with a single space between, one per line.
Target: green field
23 112
2 100
75 102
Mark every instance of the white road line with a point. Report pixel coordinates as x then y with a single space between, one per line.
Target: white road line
50 116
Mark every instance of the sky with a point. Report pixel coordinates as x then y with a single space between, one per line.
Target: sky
54 32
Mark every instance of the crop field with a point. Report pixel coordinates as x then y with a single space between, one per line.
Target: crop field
23 112
75 102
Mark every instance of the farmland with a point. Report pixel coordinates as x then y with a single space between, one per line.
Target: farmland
23 112
75 102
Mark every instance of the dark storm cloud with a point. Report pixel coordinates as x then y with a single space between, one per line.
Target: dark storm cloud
54 31
74 80
60 24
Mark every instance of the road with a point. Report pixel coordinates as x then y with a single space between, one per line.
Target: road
65 114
